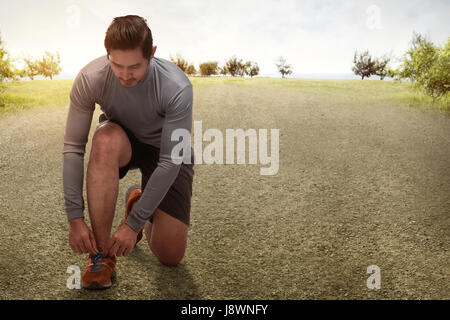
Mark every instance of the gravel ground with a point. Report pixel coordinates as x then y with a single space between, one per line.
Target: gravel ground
362 181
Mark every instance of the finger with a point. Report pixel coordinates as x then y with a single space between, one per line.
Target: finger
82 247
121 251
128 251
88 245
113 249
76 248
106 247
93 242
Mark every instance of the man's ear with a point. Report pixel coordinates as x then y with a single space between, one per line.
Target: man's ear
153 52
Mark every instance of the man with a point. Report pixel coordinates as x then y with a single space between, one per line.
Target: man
143 99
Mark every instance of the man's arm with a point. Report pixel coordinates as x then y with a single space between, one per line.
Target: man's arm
178 116
79 118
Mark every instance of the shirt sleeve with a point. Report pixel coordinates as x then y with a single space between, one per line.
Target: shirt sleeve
178 116
79 118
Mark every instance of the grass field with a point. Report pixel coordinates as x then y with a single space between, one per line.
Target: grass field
21 95
364 179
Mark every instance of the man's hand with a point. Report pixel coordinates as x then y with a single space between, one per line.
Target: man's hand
81 238
121 242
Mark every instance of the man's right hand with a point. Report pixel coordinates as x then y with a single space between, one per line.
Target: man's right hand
81 238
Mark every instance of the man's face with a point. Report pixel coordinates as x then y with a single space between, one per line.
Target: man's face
129 66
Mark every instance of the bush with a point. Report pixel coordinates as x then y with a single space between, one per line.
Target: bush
209 68
428 66
436 81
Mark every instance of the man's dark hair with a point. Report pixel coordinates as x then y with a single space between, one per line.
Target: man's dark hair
127 33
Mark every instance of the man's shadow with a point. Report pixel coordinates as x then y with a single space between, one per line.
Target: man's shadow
172 282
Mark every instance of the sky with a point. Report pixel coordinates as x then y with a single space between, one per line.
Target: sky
315 36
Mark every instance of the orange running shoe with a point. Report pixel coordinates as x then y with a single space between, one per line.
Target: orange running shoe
131 197
99 272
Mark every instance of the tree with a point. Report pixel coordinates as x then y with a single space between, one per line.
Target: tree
393 73
7 70
234 66
20 73
437 83
427 65
381 66
223 70
364 65
252 69
430 68
49 65
180 62
32 67
283 68
418 59
190 70
208 68
242 68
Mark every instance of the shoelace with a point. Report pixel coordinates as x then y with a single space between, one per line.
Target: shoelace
97 261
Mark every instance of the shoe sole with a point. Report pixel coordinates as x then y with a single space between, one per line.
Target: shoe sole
97 286
127 195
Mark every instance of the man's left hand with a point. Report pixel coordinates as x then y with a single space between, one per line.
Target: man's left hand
122 242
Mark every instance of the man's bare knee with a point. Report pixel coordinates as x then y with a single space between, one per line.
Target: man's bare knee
168 238
168 254
110 144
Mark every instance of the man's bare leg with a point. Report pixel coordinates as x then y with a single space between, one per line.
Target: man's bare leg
166 237
148 233
111 150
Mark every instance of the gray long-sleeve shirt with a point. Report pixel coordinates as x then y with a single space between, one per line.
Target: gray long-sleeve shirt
151 110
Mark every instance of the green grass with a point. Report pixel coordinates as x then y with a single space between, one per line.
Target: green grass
22 95
368 90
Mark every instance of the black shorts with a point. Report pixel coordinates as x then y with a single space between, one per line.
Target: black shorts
145 157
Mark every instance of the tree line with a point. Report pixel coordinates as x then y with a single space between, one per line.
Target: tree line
425 64
234 67
48 66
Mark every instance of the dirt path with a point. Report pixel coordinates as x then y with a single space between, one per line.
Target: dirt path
360 183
